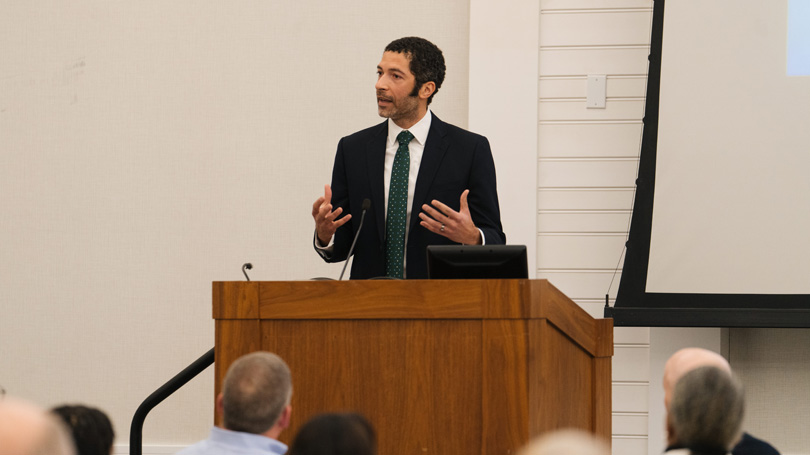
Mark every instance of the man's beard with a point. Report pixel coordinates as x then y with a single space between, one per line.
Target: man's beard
407 107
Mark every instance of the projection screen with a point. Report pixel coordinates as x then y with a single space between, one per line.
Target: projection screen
720 234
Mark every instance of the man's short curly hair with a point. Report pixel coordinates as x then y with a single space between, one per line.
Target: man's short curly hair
426 61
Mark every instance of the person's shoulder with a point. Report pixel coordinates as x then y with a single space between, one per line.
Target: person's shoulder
749 445
367 133
198 448
455 131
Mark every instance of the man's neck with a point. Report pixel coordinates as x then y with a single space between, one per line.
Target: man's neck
411 121
273 433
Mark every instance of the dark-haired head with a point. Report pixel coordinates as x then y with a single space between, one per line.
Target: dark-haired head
91 429
335 434
426 61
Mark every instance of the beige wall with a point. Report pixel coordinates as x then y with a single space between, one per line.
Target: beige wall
774 366
150 148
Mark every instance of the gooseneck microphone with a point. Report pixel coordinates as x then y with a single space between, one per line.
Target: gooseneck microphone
366 206
248 266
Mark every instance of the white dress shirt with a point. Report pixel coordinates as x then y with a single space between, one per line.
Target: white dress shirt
415 149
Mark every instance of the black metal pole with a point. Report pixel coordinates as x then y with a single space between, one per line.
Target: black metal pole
189 373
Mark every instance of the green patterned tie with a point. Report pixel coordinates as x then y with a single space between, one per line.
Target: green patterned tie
397 209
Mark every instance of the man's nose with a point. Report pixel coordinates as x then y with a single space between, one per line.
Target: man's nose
381 84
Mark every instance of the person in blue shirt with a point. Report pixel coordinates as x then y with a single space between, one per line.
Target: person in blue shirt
255 405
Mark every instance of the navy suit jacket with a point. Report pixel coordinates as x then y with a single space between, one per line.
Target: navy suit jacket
453 160
748 445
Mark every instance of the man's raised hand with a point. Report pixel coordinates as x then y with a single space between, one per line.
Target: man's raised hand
456 226
325 224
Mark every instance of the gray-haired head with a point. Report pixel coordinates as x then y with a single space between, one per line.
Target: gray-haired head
706 411
256 389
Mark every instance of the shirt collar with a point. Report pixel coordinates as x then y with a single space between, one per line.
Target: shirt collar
419 130
249 440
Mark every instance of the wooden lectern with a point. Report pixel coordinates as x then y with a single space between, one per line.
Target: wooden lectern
446 367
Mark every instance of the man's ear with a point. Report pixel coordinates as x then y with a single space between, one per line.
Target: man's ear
284 418
672 437
219 406
427 89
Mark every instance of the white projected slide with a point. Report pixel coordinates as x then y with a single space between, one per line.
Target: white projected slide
798 56
732 193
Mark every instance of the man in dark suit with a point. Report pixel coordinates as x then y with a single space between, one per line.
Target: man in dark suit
689 359
411 163
705 412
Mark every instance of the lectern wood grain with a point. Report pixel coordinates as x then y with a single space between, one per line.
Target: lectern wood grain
505 375
389 370
443 367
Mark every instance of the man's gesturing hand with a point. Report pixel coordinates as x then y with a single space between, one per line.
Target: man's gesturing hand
325 224
456 226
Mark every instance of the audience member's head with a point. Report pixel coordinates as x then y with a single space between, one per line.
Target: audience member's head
687 360
256 395
91 429
706 410
26 429
566 442
335 434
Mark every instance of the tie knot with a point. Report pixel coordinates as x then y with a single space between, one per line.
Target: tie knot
404 137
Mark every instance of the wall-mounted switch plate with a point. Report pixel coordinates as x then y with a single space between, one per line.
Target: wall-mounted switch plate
596 91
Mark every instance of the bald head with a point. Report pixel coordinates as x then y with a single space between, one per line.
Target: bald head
25 429
566 442
685 361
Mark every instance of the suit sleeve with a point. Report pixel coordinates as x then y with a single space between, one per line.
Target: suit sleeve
483 198
340 198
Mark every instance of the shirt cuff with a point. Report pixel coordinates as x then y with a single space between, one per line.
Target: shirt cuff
483 239
324 251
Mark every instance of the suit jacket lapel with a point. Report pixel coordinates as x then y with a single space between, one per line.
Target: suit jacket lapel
375 158
432 156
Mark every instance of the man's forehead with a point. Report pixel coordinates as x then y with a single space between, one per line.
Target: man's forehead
396 61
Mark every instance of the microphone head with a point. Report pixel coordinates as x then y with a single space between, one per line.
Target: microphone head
366 204
247 265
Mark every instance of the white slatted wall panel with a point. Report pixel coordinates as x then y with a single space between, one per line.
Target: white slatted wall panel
588 161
